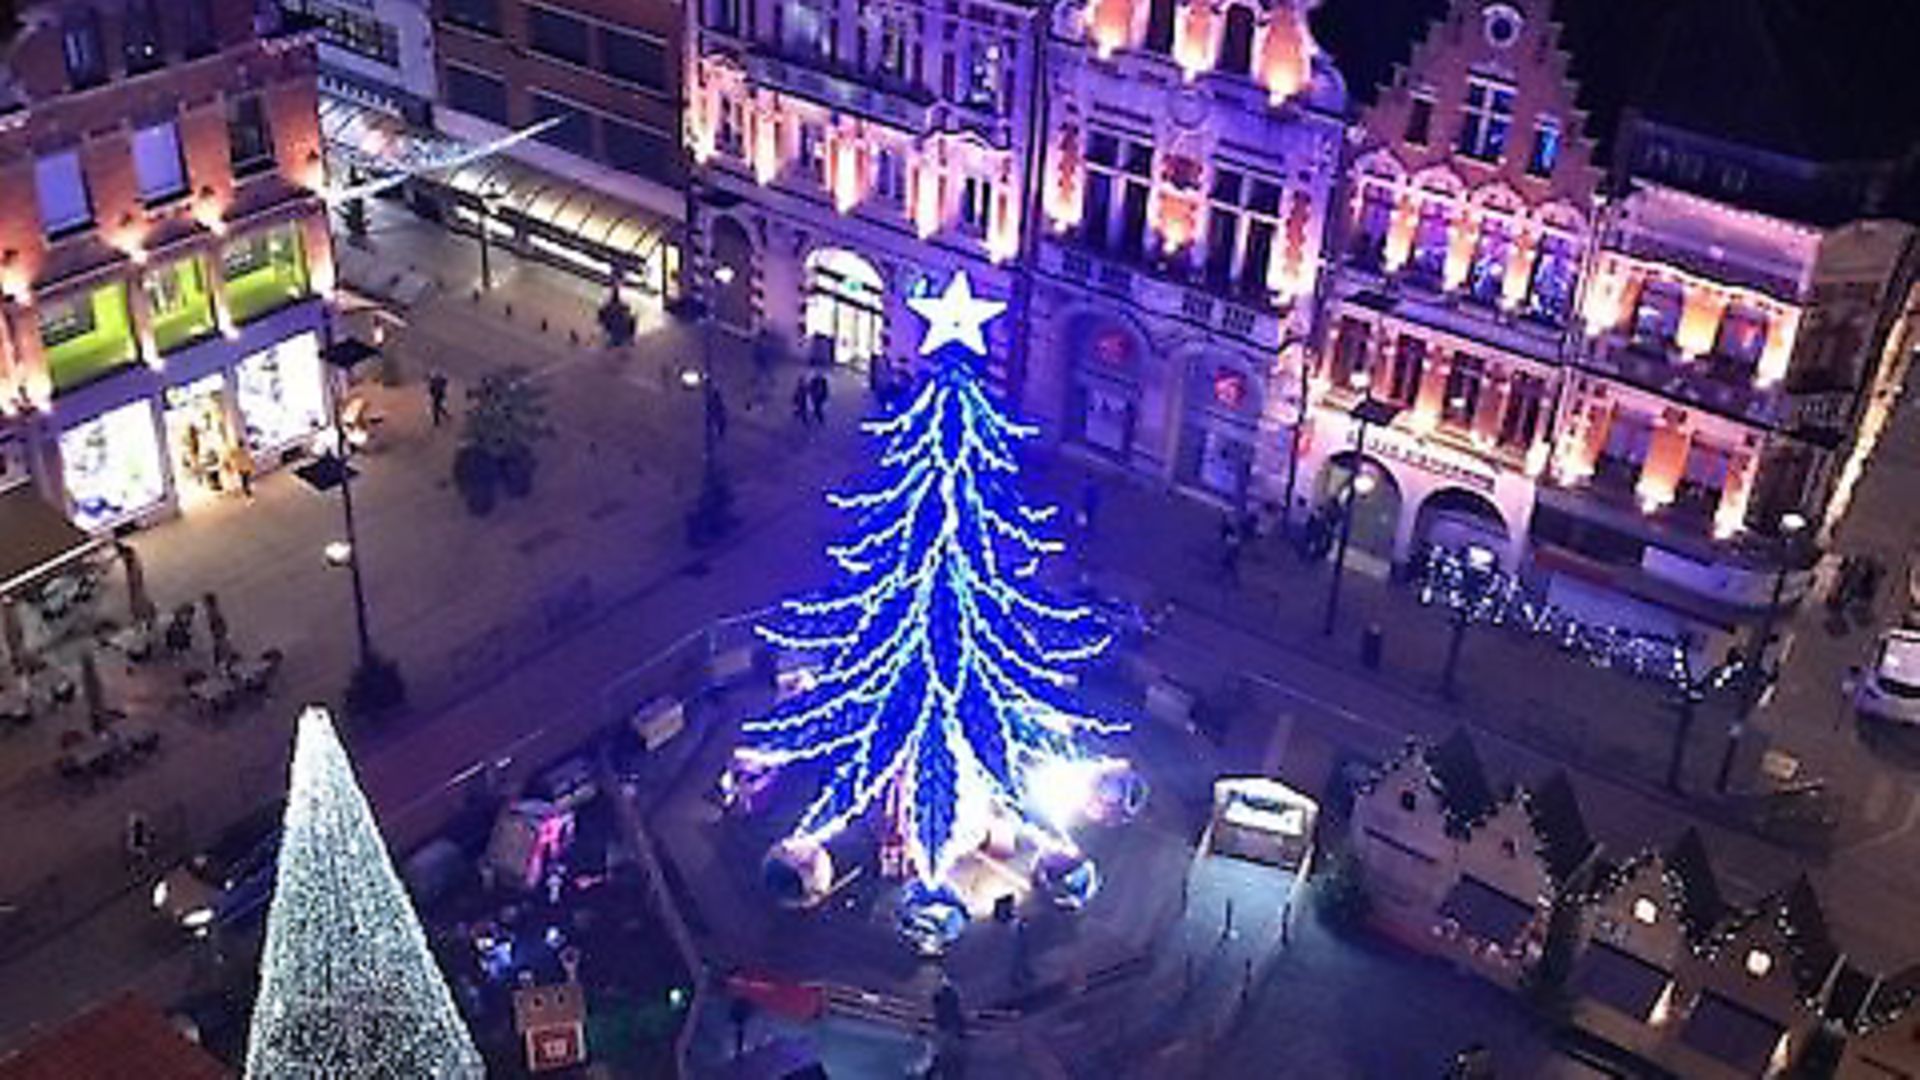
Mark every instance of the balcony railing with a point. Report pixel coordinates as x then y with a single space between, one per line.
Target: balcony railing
1138 285
911 109
1699 381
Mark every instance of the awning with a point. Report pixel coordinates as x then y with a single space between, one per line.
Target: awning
1620 980
561 205
378 141
1732 1033
36 539
1485 913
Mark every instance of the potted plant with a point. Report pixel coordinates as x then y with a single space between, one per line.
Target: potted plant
506 415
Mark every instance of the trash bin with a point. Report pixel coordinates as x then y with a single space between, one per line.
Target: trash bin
1372 641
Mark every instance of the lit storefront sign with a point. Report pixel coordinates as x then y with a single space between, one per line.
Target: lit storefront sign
281 393
1435 460
112 466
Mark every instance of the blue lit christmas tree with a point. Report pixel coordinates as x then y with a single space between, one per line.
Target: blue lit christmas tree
945 686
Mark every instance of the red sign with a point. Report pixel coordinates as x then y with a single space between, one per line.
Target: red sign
1113 347
557 1046
1229 387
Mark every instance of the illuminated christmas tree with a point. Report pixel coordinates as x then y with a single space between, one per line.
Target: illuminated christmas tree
347 984
945 678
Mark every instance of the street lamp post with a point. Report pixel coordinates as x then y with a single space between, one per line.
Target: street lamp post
1366 414
489 202
1754 683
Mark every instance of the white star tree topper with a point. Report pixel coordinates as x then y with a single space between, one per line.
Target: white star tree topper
956 315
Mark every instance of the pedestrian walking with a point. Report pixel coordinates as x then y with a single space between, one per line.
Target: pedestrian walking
817 392
716 414
437 396
1089 504
241 463
802 402
138 839
1230 542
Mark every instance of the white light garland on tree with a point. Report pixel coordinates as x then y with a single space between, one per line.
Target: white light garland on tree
348 987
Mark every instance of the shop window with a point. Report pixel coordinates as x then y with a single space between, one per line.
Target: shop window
1462 400
80 44
249 140
1487 275
636 59
280 394
62 190
157 164
1550 298
1420 119
1160 15
1487 118
481 15
264 272
557 34
140 36
1236 41
87 336
1546 147
477 93
352 31
181 303
574 132
639 151
111 466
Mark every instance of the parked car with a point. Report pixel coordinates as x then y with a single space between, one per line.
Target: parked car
229 884
1890 689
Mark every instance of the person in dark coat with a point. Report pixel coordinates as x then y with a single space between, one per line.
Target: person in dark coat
802 401
817 392
437 396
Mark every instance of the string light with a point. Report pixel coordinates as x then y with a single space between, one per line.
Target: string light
945 676
347 984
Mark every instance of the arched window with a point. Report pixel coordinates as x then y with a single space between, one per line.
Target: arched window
1236 43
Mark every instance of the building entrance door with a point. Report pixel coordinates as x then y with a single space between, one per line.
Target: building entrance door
845 307
198 438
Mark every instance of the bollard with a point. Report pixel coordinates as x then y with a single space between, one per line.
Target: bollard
543 324
1372 644
1246 984
1226 927
509 309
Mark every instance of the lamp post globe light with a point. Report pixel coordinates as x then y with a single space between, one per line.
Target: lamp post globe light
1368 412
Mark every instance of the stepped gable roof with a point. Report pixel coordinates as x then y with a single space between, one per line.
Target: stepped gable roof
1554 810
1368 39
1461 782
1804 926
1697 892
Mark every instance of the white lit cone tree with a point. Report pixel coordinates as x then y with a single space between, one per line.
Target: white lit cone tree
945 689
348 987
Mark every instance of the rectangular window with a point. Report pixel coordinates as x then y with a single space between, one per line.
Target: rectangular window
1526 401
157 165
196 27
1420 120
724 16
477 93
813 153
1096 220
976 205
1160 16
80 43
1488 116
1487 276
890 179
62 188
353 31
87 336
1551 296
1462 391
893 46
1409 361
181 303
557 34
1618 466
1656 317
1742 338
1259 253
1698 492
730 136
1428 266
249 142
1133 219
1372 221
1546 147
803 29
481 15
264 271
984 63
1349 351
1223 231
140 36
574 132
636 59
637 150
